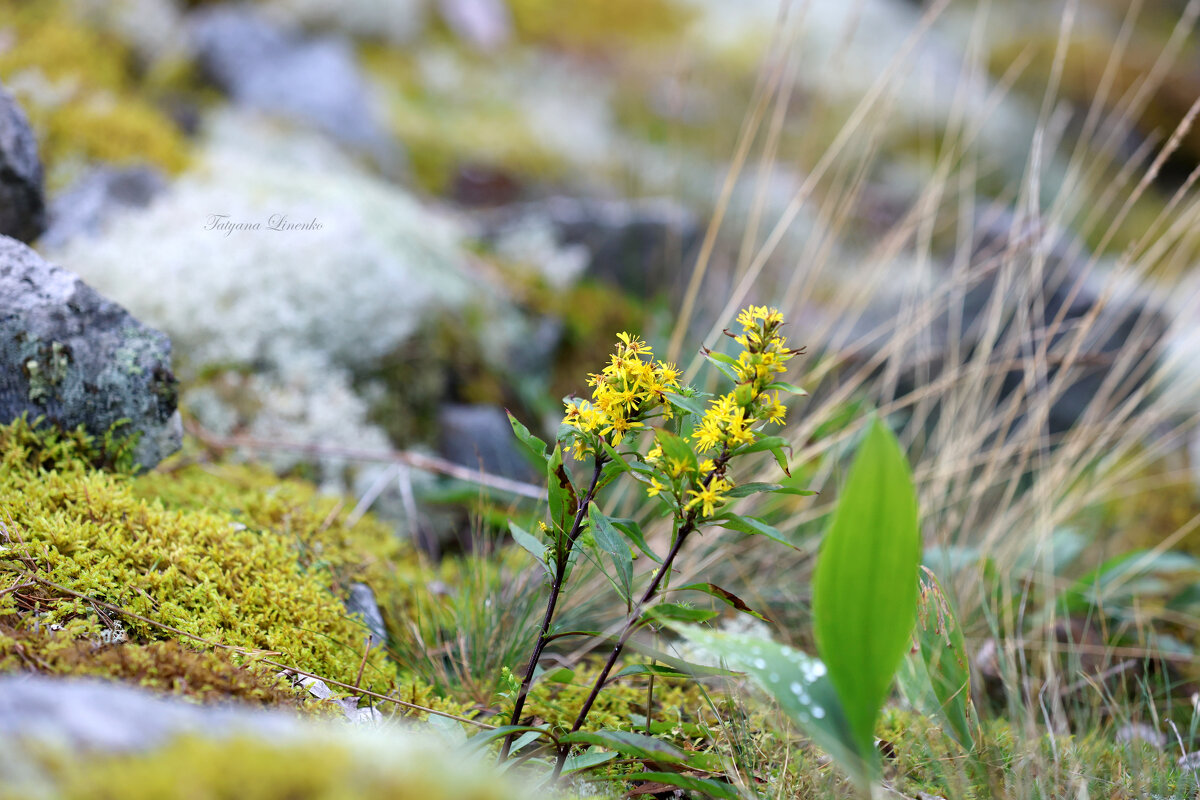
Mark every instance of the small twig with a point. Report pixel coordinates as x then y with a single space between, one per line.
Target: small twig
416 460
362 665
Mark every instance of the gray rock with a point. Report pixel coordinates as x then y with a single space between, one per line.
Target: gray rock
486 24
83 209
266 67
362 602
74 357
480 437
640 246
22 205
96 716
998 283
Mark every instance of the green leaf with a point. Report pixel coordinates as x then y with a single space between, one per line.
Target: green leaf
865 585
533 444
747 489
634 531
592 758
610 541
723 595
784 386
675 448
706 786
651 669
736 522
531 544
1115 582
777 445
674 612
637 745
801 686
692 405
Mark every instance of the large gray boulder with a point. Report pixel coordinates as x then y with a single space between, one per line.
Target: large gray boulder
74 357
22 205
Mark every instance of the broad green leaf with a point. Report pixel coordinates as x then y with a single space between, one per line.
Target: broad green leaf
865 585
801 686
1117 580
560 675
705 786
533 444
674 612
637 745
724 595
735 522
531 544
695 670
610 541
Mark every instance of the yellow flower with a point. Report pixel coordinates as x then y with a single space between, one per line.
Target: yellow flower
654 488
711 496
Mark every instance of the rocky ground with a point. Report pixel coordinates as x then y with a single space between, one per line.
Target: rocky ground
335 241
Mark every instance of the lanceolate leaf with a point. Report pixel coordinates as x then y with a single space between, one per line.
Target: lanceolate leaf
865 586
777 445
705 786
563 501
533 444
677 613
734 522
530 543
631 744
747 489
610 541
942 658
722 594
692 405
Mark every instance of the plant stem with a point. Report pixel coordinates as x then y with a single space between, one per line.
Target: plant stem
630 624
561 560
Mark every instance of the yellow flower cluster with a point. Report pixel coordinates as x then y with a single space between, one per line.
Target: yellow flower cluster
624 393
727 422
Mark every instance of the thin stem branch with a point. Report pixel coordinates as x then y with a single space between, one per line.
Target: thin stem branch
561 561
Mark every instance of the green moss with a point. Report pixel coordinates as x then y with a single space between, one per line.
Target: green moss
249 769
241 563
99 107
598 24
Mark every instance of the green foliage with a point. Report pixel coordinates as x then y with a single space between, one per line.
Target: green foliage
865 587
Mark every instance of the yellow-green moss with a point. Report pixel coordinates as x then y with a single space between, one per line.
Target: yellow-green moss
445 131
95 107
250 769
257 567
591 24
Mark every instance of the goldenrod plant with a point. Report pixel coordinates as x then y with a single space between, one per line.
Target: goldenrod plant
680 444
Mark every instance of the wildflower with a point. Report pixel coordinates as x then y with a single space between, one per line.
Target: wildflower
655 488
711 496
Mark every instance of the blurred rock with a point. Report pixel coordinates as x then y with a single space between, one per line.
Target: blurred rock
397 22
83 209
22 206
362 602
486 24
480 437
270 68
1138 732
640 246
71 355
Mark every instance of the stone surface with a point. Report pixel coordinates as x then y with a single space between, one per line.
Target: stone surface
480 437
22 205
486 24
362 602
75 357
83 209
273 69
638 245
